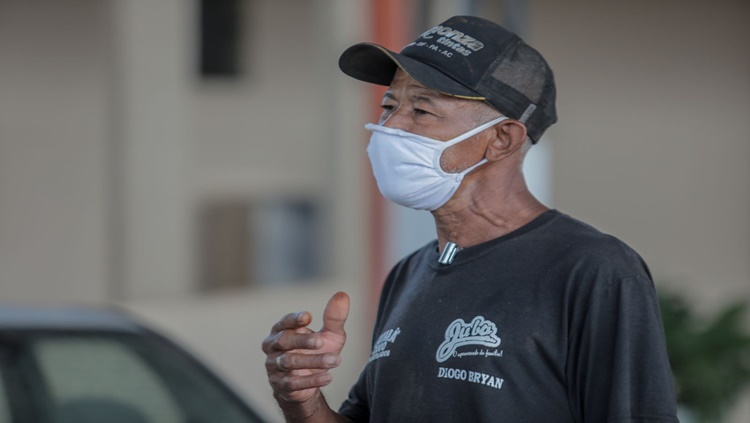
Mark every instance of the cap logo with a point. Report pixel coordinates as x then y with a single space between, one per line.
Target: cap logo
452 38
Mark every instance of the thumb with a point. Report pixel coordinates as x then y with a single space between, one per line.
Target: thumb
335 313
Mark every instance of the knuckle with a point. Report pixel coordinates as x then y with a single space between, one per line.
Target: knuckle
270 343
266 345
270 365
276 327
286 322
283 361
296 361
276 383
289 320
283 339
289 340
289 383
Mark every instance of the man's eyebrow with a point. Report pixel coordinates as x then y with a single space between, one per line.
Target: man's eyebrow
425 96
424 99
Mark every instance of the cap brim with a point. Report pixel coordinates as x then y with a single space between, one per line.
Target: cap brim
375 64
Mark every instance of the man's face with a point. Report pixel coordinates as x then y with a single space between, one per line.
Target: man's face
412 107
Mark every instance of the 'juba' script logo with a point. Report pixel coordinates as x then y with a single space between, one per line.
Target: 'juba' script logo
459 333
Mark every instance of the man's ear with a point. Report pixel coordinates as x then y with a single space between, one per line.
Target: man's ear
509 136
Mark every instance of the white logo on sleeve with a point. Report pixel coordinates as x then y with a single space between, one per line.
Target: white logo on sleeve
380 349
459 333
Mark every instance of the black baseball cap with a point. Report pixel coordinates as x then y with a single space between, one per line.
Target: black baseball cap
471 58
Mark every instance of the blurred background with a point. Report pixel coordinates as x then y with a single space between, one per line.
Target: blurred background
202 163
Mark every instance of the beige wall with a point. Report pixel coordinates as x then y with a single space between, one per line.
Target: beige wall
109 145
54 90
264 134
653 140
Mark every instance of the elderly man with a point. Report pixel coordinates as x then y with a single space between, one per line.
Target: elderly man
516 313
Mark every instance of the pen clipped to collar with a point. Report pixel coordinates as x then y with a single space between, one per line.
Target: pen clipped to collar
448 254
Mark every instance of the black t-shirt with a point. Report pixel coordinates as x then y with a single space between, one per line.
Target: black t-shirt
554 322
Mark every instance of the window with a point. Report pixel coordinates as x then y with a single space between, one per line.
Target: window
220 30
91 378
261 242
71 377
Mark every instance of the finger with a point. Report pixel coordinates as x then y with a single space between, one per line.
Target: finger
271 343
288 340
292 321
289 382
290 361
335 313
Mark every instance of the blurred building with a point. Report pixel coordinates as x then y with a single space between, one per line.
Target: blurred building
202 162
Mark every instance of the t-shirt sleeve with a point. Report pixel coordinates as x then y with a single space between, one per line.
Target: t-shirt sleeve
618 369
357 406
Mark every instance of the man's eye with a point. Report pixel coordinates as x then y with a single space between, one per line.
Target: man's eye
387 107
421 112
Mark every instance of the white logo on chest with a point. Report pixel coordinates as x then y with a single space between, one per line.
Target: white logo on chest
459 333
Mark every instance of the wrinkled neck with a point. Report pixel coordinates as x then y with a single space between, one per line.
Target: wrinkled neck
486 208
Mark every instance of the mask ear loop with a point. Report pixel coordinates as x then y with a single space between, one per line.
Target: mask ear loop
468 134
463 137
460 176
386 119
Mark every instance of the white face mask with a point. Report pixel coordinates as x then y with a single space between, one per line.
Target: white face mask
407 166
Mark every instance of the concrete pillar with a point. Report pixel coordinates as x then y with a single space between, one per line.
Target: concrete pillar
153 71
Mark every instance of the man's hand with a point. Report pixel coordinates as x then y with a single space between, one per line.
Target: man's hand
298 359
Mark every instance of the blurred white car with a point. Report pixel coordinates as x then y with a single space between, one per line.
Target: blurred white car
102 366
